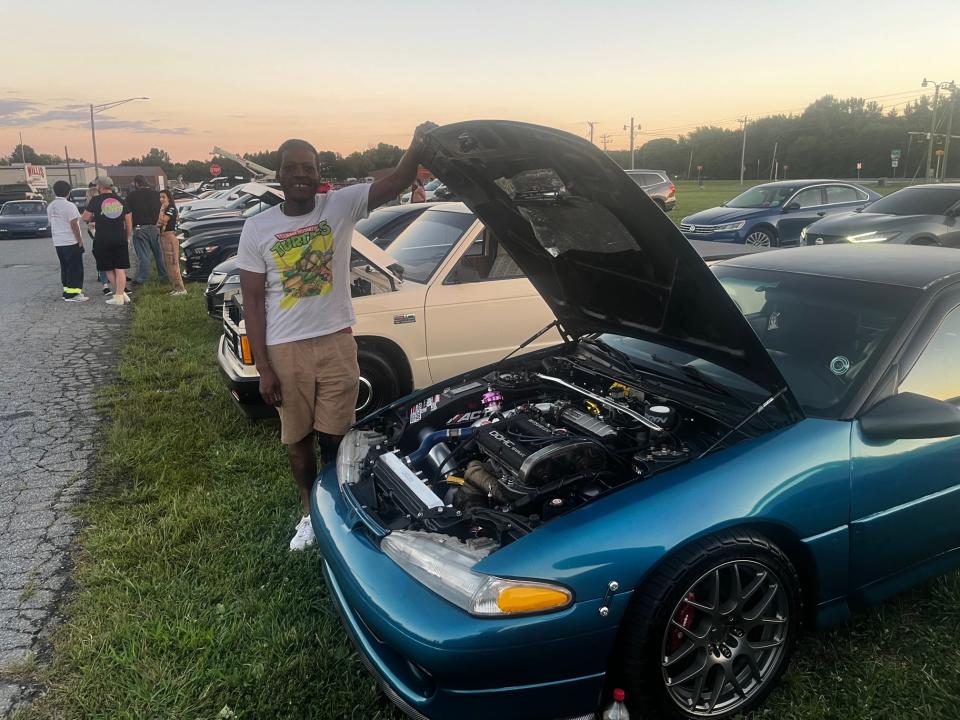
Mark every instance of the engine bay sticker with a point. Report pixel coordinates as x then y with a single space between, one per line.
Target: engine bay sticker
424 407
465 417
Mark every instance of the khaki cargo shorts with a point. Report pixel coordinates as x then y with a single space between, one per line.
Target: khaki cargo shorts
319 380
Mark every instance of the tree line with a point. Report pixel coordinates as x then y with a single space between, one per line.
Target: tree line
827 139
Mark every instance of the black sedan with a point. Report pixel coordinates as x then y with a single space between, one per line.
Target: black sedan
919 215
24 218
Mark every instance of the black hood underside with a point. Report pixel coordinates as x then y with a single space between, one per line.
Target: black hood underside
604 257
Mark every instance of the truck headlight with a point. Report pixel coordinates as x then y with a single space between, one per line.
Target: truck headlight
437 562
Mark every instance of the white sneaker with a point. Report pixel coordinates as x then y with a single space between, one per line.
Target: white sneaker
116 300
76 298
178 293
126 299
304 537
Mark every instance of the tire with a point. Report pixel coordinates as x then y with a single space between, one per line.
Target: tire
672 650
379 384
929 241
762 237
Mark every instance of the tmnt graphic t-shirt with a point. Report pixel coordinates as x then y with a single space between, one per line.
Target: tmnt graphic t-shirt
306 259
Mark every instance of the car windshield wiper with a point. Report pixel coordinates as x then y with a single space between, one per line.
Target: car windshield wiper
696 375
613 355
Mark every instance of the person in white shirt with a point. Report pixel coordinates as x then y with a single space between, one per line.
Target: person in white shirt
294 262
68 242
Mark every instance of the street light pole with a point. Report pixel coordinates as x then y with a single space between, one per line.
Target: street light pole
946 142
93 130
933 123
743 150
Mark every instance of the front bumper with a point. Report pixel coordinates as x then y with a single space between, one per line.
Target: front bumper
243 383
725 237
436 661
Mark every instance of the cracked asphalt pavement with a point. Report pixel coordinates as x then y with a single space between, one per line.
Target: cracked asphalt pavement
55 358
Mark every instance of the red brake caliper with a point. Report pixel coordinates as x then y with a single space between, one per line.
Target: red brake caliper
684 619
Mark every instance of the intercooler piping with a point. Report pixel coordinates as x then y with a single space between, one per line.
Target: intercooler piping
433 438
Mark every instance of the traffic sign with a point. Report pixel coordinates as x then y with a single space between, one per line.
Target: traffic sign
215 170
895 163
859 166
939 153
895 154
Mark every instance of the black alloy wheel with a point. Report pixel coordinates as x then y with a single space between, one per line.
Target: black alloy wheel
712 631
379 384
761 237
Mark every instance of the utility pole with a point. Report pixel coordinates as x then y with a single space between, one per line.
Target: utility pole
605 138
933 124
591 124
946 143
773 160
690 164
66 154
631 140
93 134
743 150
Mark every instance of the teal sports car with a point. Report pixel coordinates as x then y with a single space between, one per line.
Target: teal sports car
710 462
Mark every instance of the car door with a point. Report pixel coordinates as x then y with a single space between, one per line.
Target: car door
480 308
843 198
806 207
905 494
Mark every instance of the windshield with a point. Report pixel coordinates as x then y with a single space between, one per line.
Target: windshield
421 248
255 209
240 202
762 196
824 334
917 201
36 208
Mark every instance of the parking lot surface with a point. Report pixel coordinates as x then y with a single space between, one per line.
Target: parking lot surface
55 358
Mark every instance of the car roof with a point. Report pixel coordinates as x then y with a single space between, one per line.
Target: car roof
801 183
932 186
457 207
904 265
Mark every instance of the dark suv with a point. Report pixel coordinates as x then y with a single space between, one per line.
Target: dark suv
658 185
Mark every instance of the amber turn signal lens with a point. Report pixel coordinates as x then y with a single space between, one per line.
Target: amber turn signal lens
245 350
532 598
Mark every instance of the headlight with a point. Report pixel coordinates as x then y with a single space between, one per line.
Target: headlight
232 279
872 236
729 227
353 451
803 234
437 562
215 278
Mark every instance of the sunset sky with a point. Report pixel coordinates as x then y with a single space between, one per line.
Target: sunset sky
245 75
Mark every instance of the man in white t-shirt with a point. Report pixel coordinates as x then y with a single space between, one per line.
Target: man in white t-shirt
294 262
68 242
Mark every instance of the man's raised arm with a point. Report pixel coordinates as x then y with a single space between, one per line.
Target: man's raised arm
392 185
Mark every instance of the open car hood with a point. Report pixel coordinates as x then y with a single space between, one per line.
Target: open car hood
604 257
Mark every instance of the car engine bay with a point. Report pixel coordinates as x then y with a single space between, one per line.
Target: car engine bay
490 459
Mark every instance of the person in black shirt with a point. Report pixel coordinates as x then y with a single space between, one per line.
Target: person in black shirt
144 205
114 228
168 240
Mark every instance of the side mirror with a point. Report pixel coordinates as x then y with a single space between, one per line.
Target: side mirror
791 206
908 416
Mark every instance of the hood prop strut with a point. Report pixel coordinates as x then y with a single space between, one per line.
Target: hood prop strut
736 428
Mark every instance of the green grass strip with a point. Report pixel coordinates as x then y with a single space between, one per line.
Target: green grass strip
188 603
